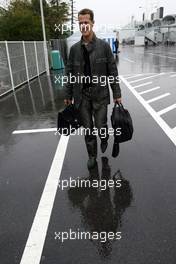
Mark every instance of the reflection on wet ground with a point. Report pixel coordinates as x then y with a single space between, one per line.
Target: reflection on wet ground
101 209
32 106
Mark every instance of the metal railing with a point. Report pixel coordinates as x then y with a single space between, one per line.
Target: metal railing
20 61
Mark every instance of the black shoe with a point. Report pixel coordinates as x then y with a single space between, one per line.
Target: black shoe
104 144
91 163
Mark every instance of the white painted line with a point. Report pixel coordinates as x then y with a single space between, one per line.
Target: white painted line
127 75
142 84
162 56
171 53
150 90
149 77
34 130
157 98
154 54
133 76
127 59
34 246
171 133
169 72
172 76
167 109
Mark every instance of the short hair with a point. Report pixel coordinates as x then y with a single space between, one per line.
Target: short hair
87 11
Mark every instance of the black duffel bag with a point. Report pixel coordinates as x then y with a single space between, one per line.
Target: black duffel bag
123 126
121 118
68 119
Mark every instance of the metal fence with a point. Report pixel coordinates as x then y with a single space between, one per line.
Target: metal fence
20 61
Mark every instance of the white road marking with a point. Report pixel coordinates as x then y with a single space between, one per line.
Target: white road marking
172 76
169 72
150 90
142 74
171 133
162 56
149 77
133 76
153 54
127 59
34 130
157 98
127 75
34 246
167 109
142 84
171 53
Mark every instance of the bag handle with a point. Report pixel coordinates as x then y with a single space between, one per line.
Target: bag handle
119 104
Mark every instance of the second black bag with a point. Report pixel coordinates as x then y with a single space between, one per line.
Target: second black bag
68 119
121 119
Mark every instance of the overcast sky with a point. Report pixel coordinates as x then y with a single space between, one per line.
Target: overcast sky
119 12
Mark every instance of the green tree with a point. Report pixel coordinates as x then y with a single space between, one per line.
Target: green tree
57 18
22 20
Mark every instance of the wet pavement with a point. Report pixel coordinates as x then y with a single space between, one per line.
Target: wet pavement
142 210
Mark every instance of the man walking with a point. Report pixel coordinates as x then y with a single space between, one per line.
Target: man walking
89 58
116 43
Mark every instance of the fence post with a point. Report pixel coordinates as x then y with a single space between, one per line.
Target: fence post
10 68
46 57
25 59
36 58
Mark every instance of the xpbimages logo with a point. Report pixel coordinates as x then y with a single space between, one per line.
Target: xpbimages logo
103 131
103 236
102 184
98 27
72 79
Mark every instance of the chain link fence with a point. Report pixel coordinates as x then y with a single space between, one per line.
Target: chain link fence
20 61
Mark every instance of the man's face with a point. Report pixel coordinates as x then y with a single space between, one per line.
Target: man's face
85 24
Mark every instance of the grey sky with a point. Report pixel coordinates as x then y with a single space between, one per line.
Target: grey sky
119 12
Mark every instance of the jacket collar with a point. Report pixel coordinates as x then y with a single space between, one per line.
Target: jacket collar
92 40
90 46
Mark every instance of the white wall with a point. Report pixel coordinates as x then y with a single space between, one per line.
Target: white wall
139 41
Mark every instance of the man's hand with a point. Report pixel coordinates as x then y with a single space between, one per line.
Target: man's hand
118 100
67 101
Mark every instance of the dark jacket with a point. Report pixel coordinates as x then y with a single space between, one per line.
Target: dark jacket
102 64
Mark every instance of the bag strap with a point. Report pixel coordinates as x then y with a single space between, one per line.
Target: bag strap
119 104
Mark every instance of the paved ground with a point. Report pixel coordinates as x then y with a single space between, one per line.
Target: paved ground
33 207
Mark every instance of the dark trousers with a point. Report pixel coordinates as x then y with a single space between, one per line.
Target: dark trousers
93 115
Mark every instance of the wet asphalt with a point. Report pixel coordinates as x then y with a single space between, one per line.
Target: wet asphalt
143 209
